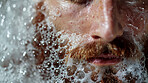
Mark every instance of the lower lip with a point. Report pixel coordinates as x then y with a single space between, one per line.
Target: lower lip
105 62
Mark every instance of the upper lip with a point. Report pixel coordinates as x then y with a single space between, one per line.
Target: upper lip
100 51
105 55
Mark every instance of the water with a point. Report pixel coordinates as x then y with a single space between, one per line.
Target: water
17 62
15 33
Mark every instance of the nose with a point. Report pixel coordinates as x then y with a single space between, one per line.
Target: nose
106 24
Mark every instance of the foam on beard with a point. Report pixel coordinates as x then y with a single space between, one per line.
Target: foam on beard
133 69
130 70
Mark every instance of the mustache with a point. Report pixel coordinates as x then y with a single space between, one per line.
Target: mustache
121 47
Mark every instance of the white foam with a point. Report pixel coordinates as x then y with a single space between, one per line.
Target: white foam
15 33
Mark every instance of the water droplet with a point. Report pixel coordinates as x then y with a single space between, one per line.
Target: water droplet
25 23
3 19
56 64
0 4
131 25
56 72
14 5
5 48
34 39
3 58
13 37
143 3
8 34
8 9
24 9
22 71
24 54
80 74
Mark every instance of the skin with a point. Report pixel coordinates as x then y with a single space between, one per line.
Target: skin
103 20
100 20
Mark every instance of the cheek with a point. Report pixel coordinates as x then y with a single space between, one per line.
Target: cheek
72 20
133 20
73 25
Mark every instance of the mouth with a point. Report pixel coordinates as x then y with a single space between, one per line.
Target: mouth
104 54
105 60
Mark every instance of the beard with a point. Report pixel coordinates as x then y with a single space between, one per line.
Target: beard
71 57
124 47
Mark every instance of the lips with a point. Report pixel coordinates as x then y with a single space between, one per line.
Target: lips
105 54
105 60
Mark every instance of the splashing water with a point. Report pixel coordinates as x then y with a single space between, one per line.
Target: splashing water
18 39
15 33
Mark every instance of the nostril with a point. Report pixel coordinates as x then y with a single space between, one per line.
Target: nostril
95 37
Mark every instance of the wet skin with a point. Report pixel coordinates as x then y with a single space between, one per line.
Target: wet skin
101 20
105 22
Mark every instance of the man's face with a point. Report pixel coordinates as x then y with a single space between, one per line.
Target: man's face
104 33
111 26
